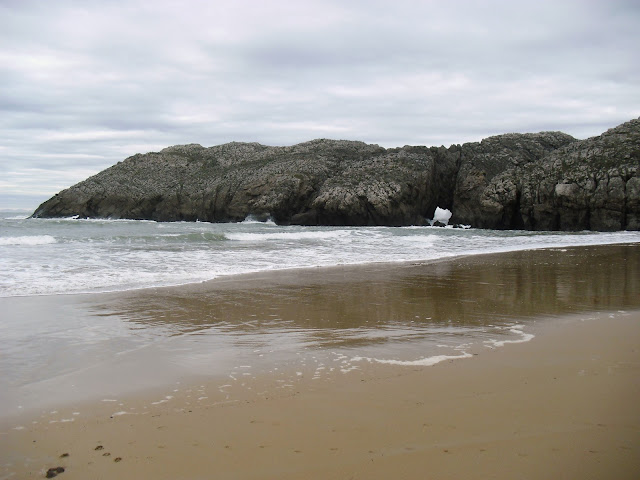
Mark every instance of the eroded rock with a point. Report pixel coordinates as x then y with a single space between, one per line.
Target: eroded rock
543 181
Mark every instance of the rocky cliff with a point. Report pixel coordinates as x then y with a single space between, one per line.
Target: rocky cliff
543 181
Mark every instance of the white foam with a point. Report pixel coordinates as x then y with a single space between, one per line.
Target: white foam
288 236
251 219
517 329
425 240
421 362
28 240
441 215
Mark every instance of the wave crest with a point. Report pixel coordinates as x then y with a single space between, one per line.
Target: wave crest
28 240
258 237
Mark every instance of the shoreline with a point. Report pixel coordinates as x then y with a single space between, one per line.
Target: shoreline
148 339
283 276
276 357
562 405
252 275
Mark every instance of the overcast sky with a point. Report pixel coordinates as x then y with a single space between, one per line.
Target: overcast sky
85 84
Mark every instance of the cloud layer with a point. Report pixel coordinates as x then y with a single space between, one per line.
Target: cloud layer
86 84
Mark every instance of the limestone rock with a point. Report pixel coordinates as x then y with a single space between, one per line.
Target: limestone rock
542 181
587 185
486 193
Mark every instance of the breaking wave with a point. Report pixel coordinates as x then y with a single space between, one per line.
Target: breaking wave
28 240
288 236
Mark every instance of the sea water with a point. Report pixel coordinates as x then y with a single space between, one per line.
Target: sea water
83 313
66 256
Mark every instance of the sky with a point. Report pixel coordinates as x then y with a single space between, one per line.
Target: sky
85 84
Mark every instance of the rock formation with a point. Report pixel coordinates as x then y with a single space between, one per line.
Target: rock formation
543 181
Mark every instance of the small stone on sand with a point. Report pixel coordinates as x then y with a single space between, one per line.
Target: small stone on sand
52 472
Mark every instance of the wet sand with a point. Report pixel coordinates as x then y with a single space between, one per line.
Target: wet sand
563 405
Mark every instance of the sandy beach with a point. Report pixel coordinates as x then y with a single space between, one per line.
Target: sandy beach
562 405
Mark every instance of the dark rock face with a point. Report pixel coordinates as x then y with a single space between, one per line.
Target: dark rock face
544 181
592 184
318 182
484 197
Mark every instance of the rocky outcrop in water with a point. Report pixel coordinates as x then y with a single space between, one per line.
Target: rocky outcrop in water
543 181
592 184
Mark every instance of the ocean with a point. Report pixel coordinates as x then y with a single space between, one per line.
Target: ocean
67 256
99 308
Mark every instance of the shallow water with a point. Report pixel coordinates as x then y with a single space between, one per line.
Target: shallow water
63 348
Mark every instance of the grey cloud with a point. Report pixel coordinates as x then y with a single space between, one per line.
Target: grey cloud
83 85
